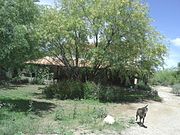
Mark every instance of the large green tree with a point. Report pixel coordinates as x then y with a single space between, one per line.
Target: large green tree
111 34
18 36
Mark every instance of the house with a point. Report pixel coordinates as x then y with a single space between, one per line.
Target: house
58 68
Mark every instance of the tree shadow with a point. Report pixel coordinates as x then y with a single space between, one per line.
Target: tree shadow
10 87
39 95
25 105
141 124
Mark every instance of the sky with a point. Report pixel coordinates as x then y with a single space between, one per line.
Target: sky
166 16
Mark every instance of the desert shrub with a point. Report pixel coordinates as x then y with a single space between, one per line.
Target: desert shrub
142 86
99 112
60 115
176 89
72 89
91 90
50 90
165 77
119 94
65 90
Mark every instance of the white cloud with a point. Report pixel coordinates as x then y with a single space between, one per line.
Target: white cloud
176 41
172 59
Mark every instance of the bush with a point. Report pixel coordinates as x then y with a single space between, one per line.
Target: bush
60 115
142 86
72 89
176 89
119 94
50 90
99 112
165 77
91 90
65 90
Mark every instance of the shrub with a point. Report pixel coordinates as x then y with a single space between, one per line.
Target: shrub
60 115
99 112
165 77
65 90
119 94
50 90
176 89
72 89
142 86
91 90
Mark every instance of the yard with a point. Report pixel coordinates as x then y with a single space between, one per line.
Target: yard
24 110
65 67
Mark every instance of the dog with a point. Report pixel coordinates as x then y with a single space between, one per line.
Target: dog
141 112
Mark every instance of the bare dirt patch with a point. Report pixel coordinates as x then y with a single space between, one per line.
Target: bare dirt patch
162 118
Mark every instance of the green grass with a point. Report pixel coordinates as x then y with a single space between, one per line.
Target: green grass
14 122
24 110
19 92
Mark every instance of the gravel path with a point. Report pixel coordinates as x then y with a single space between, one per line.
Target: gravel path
162 118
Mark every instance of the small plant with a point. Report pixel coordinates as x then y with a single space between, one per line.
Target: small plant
60 114
131 121
74 112
30 106
99 112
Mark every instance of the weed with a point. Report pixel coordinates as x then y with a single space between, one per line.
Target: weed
17 123
74 112
60 115
131 121
99 112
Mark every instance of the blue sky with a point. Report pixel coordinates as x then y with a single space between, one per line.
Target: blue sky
166 15
47 2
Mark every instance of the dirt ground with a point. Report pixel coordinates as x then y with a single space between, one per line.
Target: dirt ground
162 118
